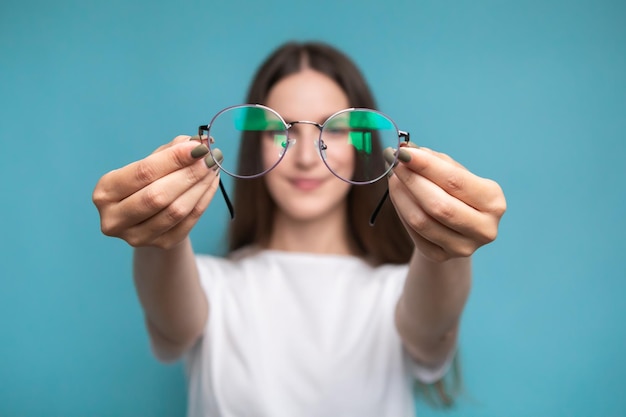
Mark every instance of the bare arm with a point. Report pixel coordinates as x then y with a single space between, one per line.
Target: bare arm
430 308
169 290
449 213
152 204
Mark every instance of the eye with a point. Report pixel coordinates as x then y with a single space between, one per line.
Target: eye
337 130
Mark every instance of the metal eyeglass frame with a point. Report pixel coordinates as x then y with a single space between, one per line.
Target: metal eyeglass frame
204 135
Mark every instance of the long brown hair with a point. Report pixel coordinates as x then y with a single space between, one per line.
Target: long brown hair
386 241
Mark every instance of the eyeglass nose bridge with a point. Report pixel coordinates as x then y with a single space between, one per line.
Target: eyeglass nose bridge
320 147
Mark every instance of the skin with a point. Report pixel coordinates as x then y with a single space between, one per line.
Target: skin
448 212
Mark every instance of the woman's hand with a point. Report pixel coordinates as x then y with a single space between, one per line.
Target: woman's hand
157 200
448 211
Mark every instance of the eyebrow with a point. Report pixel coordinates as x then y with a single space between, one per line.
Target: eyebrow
322 120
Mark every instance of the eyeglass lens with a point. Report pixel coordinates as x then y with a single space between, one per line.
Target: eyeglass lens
245 132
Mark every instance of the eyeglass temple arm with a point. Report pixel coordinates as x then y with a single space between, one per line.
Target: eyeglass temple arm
378 207
231 210
407 139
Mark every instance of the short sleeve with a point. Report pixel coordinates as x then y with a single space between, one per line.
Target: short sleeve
428 375
210 269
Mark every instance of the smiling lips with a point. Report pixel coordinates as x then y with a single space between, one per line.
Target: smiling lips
305 184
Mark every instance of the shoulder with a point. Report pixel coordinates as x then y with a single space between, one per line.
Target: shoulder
239 263
211 264
232 260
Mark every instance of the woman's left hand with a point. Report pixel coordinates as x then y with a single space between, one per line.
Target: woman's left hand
448 211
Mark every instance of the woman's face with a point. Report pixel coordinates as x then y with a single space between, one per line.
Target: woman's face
301 185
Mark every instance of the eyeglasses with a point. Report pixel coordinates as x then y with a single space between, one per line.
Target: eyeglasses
260 138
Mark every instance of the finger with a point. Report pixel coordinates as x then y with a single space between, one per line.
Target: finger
182 214
182 229
443 156
477 192
121 183
428 228
429 249
160 194
443 207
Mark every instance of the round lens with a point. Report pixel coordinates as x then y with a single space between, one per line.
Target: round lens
252 138
352 144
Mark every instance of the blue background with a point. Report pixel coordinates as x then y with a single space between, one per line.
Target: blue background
530 93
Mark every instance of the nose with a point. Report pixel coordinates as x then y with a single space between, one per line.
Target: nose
306 151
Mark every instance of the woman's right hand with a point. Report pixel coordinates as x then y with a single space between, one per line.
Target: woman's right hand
157 200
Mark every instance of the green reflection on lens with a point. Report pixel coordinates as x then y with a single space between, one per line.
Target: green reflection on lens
256 119
362 124
369 120
362 141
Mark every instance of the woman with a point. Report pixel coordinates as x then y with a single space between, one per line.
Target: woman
314 312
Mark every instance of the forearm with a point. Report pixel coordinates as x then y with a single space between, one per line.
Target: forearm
431 304
169 290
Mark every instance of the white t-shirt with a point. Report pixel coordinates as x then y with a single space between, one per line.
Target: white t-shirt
295 335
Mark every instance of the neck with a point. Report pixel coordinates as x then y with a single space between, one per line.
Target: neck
326 235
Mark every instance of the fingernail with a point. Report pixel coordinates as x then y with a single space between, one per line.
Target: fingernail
210 162
390 157
195 137
404 155
199 151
